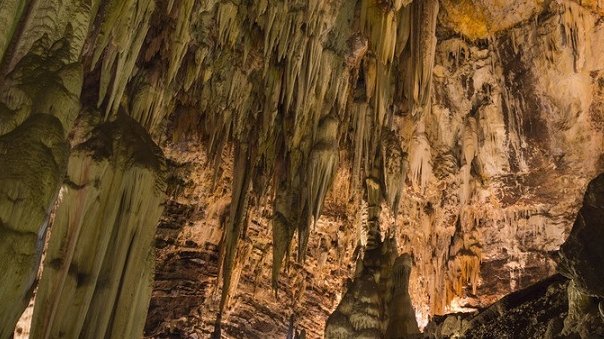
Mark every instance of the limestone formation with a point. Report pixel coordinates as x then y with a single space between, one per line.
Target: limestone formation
582 251
377 302
560 306
38 105
99 264
261 150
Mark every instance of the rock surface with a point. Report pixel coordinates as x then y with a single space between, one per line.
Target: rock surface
555 307
297 132
494 173
582 253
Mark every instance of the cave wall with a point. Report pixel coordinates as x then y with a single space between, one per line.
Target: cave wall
568 304
504 155
495 173
480 120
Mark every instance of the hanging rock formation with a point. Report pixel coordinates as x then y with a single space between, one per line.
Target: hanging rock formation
48 76
297 134
39 103
99 264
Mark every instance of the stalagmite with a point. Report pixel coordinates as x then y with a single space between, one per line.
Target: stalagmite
402 318
377 303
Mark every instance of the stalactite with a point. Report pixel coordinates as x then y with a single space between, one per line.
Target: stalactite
149 104
395 170
359 113
291 215
180 38
419 55
237 218
119 42
574 23
420 158
463 264
323 164
513 107
40 102
227 24
100 260
470 149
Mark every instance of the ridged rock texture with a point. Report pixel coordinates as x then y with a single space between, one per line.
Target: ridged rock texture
377 303
298 136
104 200
99 263
567 305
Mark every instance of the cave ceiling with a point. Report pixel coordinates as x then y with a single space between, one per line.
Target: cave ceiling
262 147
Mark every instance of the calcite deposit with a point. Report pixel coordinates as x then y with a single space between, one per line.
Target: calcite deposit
300 168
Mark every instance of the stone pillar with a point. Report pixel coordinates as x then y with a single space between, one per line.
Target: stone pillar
377 303
99 266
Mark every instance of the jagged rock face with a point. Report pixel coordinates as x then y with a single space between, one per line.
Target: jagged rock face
555 307
498 166
582 251
535 312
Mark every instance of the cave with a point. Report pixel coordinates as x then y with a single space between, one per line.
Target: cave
301 169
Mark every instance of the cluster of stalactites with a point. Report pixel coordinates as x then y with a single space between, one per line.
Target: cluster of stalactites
463 264
402 43
47 50
310 77
296 147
